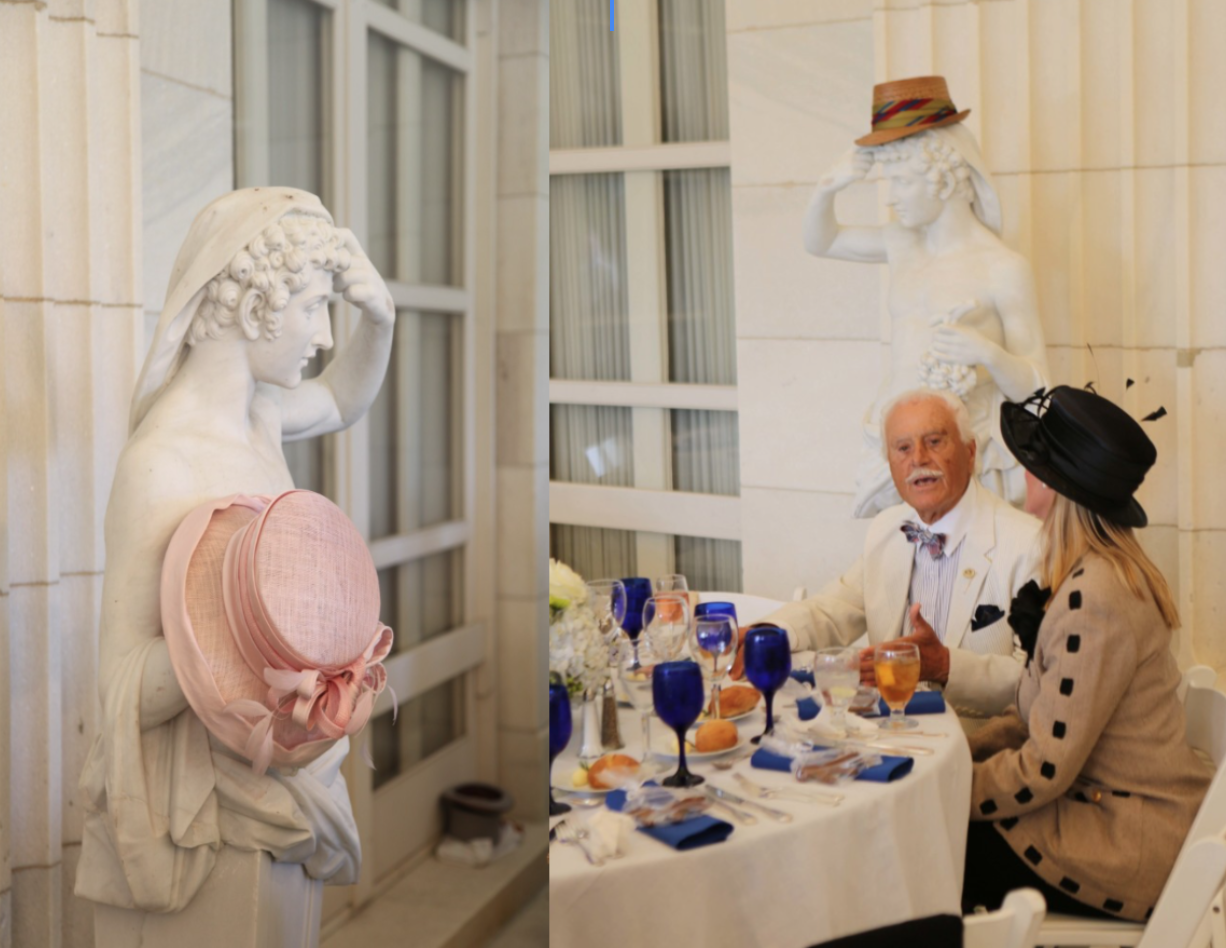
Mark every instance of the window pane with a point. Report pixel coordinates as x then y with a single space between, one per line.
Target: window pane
423 727
442 16
413 176
584 83
422 599
589 328
412 423
591 444
297 117
597 553
706 452
701 318
693 71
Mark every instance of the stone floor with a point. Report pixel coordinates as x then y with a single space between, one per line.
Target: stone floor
528 929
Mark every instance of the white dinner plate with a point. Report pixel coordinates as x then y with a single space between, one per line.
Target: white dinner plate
664 747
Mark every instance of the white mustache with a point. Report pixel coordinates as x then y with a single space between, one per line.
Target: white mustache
923 472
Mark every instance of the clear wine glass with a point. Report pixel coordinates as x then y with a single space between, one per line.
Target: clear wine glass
666 623
635 666
897 667
677 692
560 725
713 645
768 662
638 591
836 673
607 598
672 582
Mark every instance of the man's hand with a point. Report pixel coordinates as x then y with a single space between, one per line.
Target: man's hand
362 286
934 656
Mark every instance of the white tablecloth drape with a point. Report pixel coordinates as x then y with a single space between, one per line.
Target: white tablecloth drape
890 852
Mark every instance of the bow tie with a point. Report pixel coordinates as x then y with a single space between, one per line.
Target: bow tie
934 543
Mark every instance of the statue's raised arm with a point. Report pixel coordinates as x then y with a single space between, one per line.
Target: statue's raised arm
963 308
221 387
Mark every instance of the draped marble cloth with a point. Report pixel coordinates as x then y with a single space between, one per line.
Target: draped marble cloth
162 803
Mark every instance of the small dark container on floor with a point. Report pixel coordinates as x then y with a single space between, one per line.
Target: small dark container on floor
473 810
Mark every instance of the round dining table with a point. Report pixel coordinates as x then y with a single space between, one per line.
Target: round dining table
886 853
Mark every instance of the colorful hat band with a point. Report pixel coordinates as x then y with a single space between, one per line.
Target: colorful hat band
911 113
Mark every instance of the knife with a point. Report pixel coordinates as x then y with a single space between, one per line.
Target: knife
742 815
777 815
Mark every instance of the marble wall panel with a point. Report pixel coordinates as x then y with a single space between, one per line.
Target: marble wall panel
522 762
189 41
80 604
523 27
188 156
523 663
1208 617
523 127
782 291
744 15
1160 77
800 407
1056 201
1055 85
1105 52
1209 451
522 502
1207 66
1004 87
20 153
72 372
1160 256
523 262
77 920
1206 238
1106 257
793 538
807 91
1154 372
38 906
522 436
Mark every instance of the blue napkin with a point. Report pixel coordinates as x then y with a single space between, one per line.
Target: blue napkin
804 676
688 834
890 768
924 702
808 708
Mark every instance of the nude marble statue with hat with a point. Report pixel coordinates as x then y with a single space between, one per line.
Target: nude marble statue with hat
964 315
221 388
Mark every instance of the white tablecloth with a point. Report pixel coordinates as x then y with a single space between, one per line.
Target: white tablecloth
890 852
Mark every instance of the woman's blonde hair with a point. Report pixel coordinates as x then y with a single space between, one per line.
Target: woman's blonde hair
1071 530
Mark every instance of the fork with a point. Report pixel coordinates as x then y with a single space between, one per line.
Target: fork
787 793
569 834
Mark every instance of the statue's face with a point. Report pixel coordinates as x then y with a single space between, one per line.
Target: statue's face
305 329
930 463
910 196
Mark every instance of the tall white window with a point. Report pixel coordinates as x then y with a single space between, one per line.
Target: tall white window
643 425
370 105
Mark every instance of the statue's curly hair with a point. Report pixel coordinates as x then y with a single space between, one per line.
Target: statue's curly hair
947 172
277 264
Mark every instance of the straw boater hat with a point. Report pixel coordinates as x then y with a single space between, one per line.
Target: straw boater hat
907 106
270 609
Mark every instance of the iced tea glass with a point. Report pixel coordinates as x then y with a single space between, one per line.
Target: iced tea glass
897 667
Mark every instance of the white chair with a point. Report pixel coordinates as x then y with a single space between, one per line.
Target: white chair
1206 731
1197 676
1014 925
749 609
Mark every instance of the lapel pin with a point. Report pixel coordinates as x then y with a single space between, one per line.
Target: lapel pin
968 573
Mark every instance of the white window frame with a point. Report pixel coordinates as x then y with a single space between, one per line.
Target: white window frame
406 827
649 508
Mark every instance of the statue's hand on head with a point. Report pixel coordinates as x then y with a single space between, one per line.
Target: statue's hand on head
362 286
853 166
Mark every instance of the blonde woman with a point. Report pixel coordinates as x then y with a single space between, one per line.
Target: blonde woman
1087 788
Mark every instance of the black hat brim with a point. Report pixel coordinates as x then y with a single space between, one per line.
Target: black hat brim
1023 435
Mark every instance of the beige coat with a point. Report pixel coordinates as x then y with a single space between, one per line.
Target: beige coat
999 555
1093 783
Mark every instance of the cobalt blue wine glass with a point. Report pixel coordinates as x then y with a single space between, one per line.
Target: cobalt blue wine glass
676 688
638 591
768 662
715 608
559 735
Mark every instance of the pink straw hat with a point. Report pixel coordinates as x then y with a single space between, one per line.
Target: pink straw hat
270 609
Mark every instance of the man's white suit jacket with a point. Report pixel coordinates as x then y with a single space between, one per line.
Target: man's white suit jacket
999 555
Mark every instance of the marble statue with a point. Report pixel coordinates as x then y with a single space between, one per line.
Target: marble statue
962 305
221 388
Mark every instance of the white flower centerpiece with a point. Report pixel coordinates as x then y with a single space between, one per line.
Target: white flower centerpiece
578 652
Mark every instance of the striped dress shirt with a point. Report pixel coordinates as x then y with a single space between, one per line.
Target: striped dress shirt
932 579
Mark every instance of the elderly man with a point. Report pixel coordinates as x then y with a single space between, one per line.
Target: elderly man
942 566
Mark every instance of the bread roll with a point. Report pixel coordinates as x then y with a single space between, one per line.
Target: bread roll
611 771
738 700
715 736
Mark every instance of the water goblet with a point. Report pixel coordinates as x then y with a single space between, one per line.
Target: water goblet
635 667
768 662
836 673
666 623
673 582
607 598
897 667
717 608
559 735
638 591
713 645
677 692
